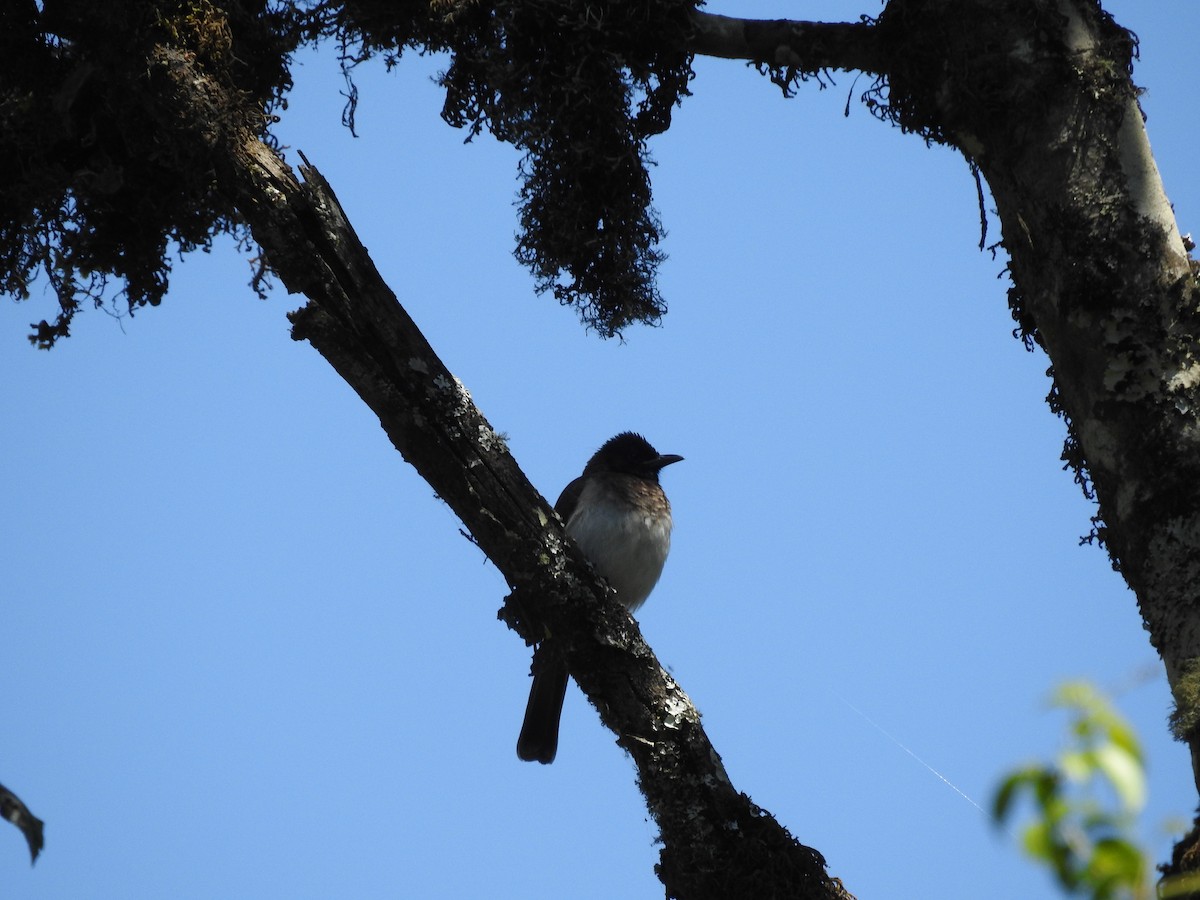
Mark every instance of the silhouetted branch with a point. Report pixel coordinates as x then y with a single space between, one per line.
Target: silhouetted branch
782 43
12 809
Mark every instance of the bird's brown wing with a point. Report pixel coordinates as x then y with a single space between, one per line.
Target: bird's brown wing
569 499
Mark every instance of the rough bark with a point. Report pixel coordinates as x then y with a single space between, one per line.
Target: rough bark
1101 277
1038 96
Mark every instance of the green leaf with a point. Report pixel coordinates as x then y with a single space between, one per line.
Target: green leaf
1077 765
1038 841
1126 774
1121 734
1115 864
1046 786
1011 787
1080 830
1002 801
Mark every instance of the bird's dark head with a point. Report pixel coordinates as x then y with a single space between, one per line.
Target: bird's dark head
630 454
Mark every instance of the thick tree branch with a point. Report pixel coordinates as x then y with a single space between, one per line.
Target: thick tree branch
1038 96
806 46
1042 102
716 842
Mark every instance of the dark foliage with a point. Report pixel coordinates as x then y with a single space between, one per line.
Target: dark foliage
104 181
579 87
110 182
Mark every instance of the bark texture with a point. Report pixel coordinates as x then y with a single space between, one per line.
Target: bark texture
1102 282
1038 95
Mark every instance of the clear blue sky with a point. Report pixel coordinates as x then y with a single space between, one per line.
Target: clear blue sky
248 653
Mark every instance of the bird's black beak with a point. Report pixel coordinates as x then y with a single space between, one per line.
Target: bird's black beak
666 459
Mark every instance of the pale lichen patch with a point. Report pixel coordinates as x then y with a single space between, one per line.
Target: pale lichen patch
1119 368
1185 379
676 712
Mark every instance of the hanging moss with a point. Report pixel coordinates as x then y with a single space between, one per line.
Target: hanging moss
579 87
112 184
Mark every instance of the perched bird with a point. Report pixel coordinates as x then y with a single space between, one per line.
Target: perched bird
617 513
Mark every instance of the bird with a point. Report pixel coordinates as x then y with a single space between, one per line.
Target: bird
619 516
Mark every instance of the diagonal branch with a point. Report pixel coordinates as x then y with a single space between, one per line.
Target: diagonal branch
13 810
716 841
805 46
355 322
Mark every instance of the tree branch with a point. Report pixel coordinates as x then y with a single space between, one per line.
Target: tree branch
13 810
1045 106
716 842
806 46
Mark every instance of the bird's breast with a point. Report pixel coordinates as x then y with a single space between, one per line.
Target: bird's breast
626 545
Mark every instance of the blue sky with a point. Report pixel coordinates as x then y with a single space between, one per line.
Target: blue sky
249 654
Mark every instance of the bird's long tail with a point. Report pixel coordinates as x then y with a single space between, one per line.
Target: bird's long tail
539 732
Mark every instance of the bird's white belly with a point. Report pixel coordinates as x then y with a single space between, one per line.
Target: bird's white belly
627 549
